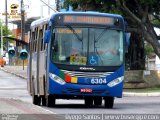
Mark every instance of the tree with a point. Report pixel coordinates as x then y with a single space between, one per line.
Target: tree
4 34
143 14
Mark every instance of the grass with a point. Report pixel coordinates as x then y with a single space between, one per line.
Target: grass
144 90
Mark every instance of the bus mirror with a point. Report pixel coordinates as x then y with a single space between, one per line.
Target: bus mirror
11 52
127 41
47 36
23 54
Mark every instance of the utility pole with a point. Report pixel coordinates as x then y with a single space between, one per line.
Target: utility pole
6 11
57 5
22 25
48 7
22 22
1 38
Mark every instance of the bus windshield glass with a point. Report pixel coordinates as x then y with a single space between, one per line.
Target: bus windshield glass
87 46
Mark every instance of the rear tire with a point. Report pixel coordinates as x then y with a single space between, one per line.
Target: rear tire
98 101
50 101
43 100
109 102
36 100
88 101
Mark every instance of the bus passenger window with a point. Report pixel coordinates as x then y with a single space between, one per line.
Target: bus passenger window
32 41
44 29
35 39
41 40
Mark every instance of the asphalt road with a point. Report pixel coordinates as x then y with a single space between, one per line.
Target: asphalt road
16 88
125 105
13 87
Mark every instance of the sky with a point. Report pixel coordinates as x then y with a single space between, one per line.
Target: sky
33 8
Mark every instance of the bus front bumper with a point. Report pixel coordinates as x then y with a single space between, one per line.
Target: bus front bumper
84 90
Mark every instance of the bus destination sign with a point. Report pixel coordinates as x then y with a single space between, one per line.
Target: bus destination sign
88 19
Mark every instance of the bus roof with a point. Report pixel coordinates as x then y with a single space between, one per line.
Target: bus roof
39 22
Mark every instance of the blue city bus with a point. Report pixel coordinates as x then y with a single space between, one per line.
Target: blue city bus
77 55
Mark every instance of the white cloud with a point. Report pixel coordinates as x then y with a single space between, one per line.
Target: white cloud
33 8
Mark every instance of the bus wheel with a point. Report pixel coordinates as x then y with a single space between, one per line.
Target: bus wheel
43 100
88 102
50 102
98 101
36 100
109 102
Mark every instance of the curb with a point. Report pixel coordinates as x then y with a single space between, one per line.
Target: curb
14 73
133 94
15 106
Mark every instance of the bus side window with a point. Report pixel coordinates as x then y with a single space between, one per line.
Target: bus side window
41 40
35 42
32 41
45 28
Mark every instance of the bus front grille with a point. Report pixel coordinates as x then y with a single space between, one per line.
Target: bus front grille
87 74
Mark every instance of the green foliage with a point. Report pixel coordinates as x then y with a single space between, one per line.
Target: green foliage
4 30
156 22
149 50
4 34
107 6
111 6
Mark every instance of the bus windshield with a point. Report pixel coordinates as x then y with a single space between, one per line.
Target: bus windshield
87 46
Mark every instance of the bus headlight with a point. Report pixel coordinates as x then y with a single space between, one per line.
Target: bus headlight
116 81
56 79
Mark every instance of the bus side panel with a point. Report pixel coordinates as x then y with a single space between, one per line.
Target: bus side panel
29 67
34 73
42 72
29 75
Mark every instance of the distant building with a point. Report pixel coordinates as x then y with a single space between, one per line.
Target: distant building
34 9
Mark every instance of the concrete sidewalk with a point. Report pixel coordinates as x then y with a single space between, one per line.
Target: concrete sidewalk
11 109
14 106
18 71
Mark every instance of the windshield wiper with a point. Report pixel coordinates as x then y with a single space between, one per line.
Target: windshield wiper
101 34
96 40
75 33
96 51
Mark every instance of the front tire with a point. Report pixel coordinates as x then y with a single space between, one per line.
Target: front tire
109 102
88 101
98 101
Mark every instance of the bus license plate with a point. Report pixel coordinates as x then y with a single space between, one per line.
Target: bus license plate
86 90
